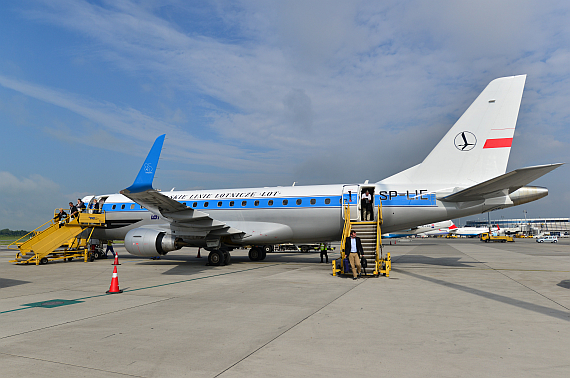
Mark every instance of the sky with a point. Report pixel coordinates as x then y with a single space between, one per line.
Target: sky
257 93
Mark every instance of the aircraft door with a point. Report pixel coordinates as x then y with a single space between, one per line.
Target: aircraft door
351 197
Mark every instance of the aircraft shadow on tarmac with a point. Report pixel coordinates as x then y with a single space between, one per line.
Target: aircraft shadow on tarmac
549 311
565 284
6 282
439 261
187 265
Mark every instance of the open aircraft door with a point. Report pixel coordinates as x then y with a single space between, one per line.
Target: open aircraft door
351 197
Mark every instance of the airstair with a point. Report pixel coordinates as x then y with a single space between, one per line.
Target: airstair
57 240
370 234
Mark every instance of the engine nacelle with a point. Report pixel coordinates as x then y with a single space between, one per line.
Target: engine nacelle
150 243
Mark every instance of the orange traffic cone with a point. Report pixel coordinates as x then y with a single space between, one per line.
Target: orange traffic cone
114 289
198 257
116 259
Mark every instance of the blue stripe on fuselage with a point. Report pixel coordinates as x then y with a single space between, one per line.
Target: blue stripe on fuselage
401 200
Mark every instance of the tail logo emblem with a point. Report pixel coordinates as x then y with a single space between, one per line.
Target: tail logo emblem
148 168
465 141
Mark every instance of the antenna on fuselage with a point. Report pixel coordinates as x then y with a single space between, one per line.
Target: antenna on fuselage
294 182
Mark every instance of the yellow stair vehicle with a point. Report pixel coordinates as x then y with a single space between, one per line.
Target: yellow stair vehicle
57 240
370 235
487 237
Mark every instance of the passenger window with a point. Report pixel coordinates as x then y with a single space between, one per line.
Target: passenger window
243 203
195 204
114 207
256 203
270 203
205 204
285 202
327 201
313 201
122 207
220 204
133 206
232 203
299 201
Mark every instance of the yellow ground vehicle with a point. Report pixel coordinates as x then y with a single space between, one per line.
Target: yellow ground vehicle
486 237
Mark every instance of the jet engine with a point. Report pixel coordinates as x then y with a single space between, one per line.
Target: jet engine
150 243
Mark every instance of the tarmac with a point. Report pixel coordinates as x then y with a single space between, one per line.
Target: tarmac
450 308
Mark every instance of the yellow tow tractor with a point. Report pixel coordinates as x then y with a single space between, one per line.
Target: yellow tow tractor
487 237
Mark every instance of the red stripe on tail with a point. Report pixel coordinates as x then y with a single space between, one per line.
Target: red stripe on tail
498 143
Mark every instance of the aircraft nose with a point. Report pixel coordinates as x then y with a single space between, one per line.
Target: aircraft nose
528 194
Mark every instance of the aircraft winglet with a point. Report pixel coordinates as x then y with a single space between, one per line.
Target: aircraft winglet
145 177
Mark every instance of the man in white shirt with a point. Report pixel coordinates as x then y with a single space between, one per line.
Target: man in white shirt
366 206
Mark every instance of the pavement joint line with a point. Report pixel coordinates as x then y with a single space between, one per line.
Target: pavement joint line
155 286
86 318
287 330
72 365
520 283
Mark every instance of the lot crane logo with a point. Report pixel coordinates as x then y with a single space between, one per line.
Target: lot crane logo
465 141
148 168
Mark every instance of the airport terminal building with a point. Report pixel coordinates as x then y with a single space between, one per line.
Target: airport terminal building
534 226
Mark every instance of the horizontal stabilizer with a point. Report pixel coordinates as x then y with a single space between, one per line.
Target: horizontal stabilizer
509 181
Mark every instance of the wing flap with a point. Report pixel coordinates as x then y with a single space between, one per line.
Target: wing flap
501 185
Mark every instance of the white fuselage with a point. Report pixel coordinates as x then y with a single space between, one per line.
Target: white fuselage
286 214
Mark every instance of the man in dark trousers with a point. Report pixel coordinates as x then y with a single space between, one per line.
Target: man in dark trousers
323 248
353 248
73 212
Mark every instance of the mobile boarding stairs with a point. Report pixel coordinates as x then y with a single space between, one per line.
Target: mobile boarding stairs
370 234
58 240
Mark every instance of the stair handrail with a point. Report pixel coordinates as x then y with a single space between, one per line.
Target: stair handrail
31 232
346 230
379 221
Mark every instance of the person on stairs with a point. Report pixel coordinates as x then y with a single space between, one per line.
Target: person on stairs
353 247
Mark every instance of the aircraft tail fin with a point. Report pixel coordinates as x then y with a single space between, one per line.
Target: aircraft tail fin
145 177
477 147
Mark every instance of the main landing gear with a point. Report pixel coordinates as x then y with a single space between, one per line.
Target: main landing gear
259 253
218 257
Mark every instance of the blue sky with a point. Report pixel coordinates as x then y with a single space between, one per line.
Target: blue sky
256 93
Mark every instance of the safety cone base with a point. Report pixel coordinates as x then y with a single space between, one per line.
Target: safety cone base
114 292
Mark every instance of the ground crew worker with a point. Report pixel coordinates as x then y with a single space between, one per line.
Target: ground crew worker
110 248
324 252
353 247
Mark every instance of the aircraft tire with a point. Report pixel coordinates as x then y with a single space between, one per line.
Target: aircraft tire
228 258
254 254
216 258
263 255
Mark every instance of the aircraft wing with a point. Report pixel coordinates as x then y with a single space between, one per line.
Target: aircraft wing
177 213
510 181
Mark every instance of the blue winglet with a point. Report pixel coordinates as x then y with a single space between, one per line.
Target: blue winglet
146 174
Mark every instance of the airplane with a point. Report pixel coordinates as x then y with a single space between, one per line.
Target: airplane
426 229
461 231
153 223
